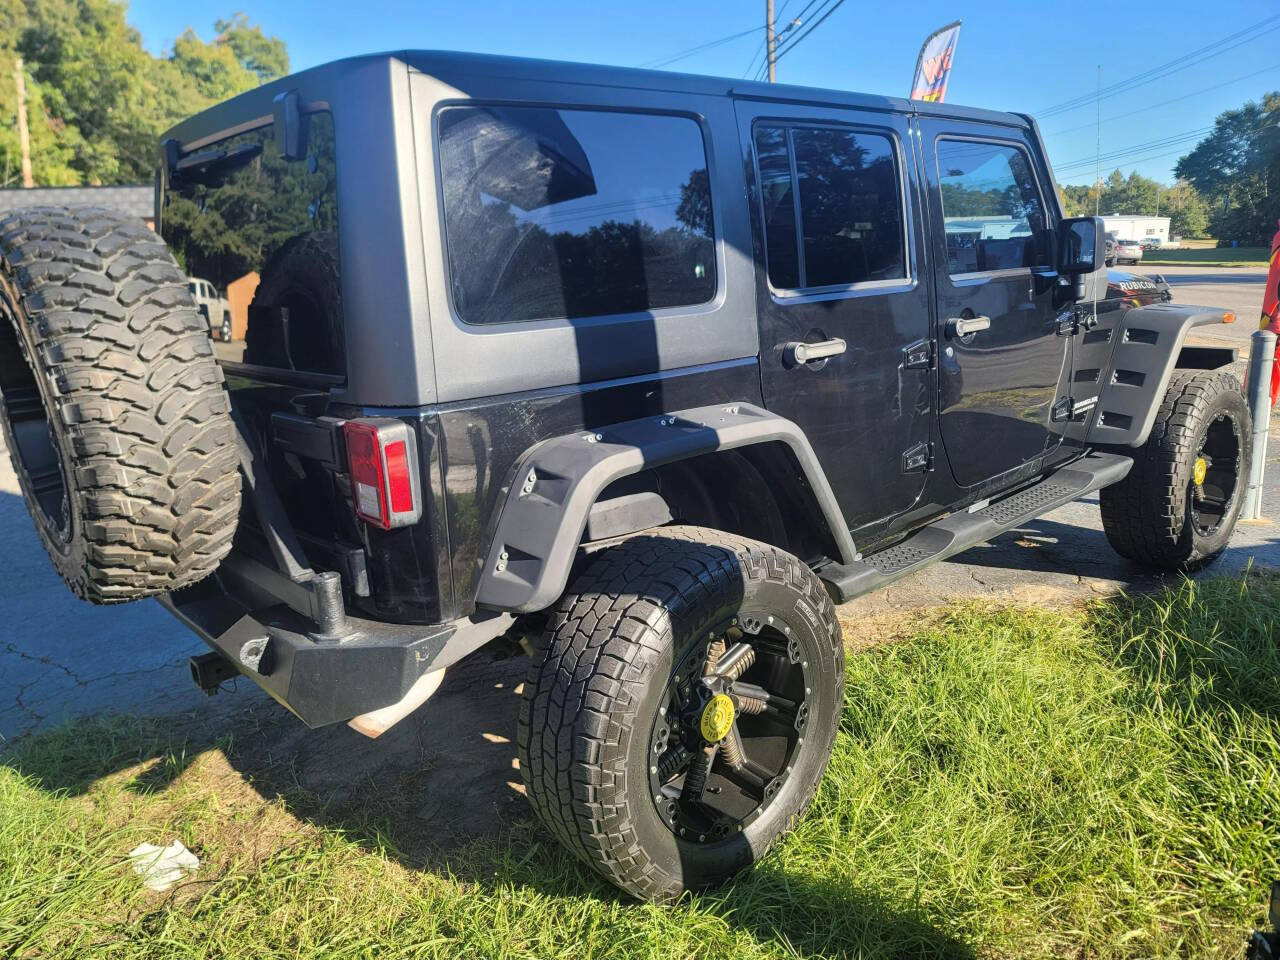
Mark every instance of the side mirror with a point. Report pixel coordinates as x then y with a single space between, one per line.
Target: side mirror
1082 246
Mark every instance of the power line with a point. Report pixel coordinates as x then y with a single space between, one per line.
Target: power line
1164 103
761 48
1117 155
789 41
1183 62
685 54
790 44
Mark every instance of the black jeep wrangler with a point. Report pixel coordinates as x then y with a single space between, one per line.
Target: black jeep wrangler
645 371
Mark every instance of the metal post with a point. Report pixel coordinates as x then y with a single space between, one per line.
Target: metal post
1262 356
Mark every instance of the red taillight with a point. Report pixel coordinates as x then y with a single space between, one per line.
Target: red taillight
383 462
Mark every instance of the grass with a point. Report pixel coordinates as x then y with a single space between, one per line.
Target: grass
1210 257
1098 782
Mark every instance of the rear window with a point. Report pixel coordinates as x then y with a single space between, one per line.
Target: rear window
560 214
263 232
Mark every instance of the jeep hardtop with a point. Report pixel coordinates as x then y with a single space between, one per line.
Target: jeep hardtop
643 371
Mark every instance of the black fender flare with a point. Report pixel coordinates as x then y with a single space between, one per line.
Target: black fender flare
554 485
1145 350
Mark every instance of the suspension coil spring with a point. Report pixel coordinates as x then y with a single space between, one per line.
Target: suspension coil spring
731 749
748 703
671 761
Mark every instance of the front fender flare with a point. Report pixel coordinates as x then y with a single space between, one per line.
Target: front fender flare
1144 352
554 485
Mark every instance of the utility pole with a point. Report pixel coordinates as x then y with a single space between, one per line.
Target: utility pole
769 40
24 135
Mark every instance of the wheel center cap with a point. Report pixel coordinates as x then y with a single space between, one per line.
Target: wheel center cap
1200 471
717 718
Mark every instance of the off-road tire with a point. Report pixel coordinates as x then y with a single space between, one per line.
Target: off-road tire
593 687
103 343
1147 516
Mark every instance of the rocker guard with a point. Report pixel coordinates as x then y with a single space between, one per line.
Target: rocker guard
554 485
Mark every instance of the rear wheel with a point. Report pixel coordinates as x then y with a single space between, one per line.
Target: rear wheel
1177 508
224 332
682 709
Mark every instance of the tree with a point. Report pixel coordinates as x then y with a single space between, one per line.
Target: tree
97 101
1139 195
265 56
1237 169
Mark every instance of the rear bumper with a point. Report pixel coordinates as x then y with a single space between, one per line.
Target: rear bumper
322 679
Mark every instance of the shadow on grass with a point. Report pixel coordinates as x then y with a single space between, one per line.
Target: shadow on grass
440 793
1201 646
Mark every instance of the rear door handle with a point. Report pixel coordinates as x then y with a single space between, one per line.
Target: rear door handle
963 326
797 353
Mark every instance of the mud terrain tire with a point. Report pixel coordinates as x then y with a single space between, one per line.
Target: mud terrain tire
114 415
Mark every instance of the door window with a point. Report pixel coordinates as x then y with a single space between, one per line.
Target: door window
559 214
991 207
843 188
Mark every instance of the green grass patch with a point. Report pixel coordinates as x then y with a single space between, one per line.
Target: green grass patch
1008 783
1210 257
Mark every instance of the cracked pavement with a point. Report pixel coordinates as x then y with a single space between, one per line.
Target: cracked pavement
61 657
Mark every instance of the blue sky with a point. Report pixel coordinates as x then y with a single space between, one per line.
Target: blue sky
1025 56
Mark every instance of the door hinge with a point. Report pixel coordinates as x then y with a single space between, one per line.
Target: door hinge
918 355
1075 318
918 457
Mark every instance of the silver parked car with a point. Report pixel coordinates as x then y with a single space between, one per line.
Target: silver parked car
214 306
1128 251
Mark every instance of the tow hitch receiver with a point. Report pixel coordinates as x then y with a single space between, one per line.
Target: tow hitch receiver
211 670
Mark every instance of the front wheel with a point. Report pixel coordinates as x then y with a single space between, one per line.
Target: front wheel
682 707
224 332
1177 508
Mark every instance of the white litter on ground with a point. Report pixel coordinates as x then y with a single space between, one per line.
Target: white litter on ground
162 867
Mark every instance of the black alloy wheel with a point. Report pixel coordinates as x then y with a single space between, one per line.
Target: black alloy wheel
730 722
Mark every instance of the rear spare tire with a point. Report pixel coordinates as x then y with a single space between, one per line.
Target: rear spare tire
114 411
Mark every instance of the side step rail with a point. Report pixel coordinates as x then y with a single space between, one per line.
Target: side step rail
960 531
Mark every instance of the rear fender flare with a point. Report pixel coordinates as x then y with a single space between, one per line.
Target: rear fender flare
545 508
1145 350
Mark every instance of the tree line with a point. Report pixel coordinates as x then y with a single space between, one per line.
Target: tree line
1227 187
97 100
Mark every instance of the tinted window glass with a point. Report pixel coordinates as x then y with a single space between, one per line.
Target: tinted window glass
774 158
990 205
265 230
574 213
850 207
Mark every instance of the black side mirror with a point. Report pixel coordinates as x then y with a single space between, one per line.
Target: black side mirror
1082 246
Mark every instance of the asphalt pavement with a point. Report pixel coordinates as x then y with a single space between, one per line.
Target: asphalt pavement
61 658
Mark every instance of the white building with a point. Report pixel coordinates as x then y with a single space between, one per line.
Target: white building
1124 227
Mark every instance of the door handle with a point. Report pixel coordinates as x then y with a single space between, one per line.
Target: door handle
963 326
797 353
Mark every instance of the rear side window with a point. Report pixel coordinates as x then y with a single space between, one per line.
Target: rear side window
263 232
991 206
843 189
560 214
